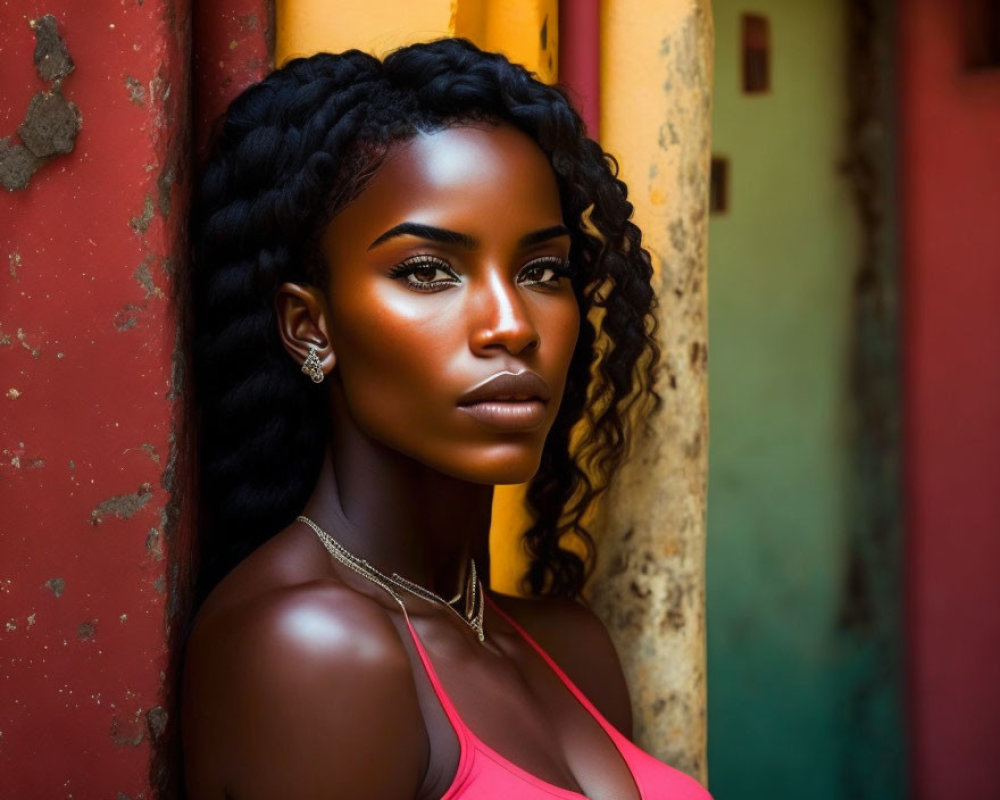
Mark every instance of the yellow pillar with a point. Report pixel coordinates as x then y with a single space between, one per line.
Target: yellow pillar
656 77
526 31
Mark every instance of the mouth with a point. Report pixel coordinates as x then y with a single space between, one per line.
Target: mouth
508 401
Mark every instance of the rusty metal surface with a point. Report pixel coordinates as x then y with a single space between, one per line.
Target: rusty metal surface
649 584
86 348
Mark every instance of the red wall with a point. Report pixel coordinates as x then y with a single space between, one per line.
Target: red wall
950 171
87 340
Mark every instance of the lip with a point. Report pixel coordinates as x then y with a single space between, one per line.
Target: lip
508 388
510 401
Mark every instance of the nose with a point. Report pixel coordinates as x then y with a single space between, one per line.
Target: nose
502 320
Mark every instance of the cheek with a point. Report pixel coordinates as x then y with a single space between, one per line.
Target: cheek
389 351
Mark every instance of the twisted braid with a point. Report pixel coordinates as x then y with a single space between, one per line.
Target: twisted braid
294 149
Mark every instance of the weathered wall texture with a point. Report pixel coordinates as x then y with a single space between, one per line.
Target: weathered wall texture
88 248
656 79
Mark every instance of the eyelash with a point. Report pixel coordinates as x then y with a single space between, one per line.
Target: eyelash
406 269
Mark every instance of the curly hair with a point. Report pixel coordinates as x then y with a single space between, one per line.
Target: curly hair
290 152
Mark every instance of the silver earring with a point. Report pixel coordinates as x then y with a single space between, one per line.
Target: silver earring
312 366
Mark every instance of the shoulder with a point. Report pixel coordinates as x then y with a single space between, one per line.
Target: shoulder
299 690
576 639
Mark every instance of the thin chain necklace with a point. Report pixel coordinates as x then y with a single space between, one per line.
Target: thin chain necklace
475 606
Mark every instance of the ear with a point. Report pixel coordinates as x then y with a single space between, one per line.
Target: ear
302 323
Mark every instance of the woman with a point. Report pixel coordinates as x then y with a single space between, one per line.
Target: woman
395 268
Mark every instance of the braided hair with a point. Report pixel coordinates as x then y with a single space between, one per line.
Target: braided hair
289 153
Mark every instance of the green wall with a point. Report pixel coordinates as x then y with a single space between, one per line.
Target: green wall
780 268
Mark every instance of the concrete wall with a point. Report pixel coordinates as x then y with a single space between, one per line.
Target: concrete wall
780 271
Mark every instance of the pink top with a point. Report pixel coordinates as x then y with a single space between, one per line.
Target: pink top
484 774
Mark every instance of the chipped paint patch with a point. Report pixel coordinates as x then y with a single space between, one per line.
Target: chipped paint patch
122 506
52 59
13 393
56 585
22 337
127 318
31 621
128 734
143 274
140 222
151 452
154 544
14 263
136 91
87 630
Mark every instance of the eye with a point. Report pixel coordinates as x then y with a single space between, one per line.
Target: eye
425 273
544 271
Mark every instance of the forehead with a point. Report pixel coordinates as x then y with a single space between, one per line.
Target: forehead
470 178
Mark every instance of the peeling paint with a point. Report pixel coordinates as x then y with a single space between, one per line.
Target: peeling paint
156 722
22 337
122 506
127 317
126 735
52 123
154 544
57 585
143 274
136 91
140 223
52 59
164 183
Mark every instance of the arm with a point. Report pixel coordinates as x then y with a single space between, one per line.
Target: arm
306 693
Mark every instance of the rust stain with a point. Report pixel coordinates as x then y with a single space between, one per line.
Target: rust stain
56 585
122 506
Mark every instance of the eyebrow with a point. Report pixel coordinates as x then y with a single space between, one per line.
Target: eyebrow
445 236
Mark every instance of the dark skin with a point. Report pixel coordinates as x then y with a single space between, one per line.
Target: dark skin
301 680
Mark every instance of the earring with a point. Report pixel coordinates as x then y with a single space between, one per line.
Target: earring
312 366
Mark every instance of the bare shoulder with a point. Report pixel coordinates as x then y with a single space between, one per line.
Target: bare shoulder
576 639
298 691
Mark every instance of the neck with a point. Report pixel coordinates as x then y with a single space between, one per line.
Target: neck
399 514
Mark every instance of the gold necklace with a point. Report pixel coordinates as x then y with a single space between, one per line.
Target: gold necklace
475 605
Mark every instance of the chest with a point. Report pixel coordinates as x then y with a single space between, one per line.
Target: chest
506 698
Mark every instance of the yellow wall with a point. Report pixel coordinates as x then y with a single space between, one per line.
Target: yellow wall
526 31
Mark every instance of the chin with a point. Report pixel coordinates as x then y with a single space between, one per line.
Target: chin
498 466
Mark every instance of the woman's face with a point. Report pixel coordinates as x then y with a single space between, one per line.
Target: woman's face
450 310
